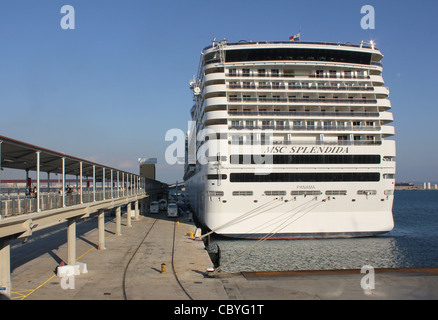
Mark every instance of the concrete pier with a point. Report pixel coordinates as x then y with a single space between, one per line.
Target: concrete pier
130 268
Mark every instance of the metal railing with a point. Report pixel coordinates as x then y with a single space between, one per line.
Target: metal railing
302 113
305 100
314 142
14 204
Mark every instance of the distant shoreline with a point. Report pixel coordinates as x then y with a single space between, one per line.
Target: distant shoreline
414 188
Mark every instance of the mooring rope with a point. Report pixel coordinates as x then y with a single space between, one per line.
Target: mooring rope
269 235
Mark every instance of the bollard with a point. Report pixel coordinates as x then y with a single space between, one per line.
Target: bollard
177 223
190 234
163 268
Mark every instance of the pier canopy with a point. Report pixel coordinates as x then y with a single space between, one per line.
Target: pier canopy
20 155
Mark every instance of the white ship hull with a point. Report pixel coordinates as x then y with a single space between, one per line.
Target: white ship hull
292 217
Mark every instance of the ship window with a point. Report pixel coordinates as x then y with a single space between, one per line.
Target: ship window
305 177
216 176
275 193
245 72
367 192
275 72
261 72
232 72
242 193
250 124
271 54
305 193
289 73
336 192
310 159
215 193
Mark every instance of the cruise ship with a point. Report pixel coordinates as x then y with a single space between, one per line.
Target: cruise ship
289 140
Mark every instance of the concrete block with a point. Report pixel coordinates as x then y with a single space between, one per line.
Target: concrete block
66 271
82 267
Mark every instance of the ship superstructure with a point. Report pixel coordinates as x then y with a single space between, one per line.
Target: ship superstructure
290 140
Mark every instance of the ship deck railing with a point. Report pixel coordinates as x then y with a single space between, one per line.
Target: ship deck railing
340 44
317 142
308 128
253 99
334 88
303 113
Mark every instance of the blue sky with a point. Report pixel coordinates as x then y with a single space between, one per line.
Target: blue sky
110 89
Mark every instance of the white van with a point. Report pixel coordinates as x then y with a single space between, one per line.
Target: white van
172 210
163 204
155 207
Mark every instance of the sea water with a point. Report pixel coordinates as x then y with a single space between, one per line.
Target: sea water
412 243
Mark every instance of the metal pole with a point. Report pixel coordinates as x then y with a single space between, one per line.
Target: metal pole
63 182
38 182
103 182
118 185
80 173
94 183
112 183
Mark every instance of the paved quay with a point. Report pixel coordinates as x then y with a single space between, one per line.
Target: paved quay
129 268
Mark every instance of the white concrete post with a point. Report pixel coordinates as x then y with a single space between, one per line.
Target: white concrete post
128 215
119 221
136 210
101 229
71 241
5 266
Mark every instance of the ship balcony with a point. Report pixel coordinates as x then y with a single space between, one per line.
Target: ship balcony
217 114
381 92
384 104
213 89
214 77
308 101
386 117
308 142
377 80
215 101
314 128
311 114
387 131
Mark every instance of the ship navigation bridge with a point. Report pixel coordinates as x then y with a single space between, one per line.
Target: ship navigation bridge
106 188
